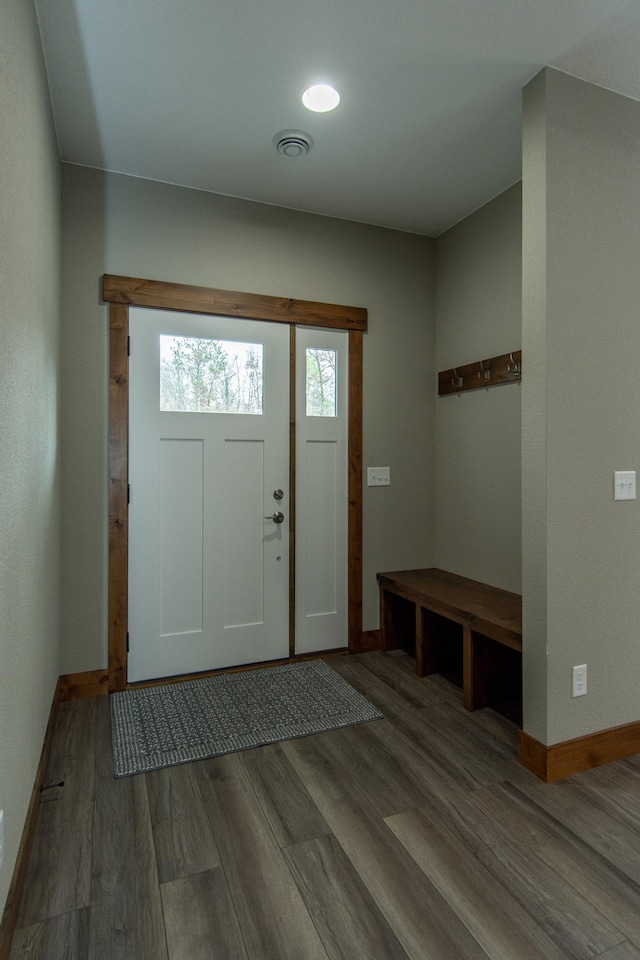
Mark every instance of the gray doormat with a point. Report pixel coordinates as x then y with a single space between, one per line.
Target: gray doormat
155 727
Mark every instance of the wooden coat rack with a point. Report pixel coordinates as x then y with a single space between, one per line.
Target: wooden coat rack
482 373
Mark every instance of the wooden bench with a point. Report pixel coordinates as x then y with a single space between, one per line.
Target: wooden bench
485 614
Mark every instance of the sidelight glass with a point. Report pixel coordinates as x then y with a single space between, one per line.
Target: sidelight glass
321 391
198 375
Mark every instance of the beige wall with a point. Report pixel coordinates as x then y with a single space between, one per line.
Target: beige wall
477 452
581 291
117 224
580 295
29 470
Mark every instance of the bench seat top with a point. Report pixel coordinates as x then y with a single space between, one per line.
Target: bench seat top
461 599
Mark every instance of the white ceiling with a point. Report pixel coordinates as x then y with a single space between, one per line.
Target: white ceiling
428 129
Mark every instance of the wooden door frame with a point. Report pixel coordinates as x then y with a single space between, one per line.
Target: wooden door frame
124 292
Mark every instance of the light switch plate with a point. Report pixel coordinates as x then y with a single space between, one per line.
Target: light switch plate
378 476
624 485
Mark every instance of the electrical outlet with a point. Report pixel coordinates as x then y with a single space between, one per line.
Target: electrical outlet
580 680
1 836
378 476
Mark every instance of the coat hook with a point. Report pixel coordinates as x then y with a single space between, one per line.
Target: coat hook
456 381
483 370
514 366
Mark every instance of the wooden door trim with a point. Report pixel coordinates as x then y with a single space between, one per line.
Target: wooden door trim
354 482
123 292
118 493
292 489
230 303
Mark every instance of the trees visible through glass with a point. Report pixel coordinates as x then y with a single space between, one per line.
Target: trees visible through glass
210 376
321 382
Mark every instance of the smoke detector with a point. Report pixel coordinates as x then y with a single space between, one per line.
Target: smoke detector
293 143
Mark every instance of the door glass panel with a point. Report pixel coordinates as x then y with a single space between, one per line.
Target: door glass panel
321 382
210 376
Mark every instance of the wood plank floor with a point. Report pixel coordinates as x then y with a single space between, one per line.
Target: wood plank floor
416 837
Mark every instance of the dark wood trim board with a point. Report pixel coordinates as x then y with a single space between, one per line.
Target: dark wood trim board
575 756
231 303
78 686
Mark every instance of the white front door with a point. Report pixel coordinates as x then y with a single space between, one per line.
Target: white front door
208 470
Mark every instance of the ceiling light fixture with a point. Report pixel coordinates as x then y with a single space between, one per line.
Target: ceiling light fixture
292 143
321 98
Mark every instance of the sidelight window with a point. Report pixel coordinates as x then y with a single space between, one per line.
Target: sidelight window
321 391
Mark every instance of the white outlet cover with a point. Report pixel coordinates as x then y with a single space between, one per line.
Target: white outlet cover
579 681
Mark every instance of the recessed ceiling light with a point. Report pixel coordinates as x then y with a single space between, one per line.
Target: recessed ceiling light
321 98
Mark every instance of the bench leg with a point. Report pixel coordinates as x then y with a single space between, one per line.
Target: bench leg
425 653
387 624
475 670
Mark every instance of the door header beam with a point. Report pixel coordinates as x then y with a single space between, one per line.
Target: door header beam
230 303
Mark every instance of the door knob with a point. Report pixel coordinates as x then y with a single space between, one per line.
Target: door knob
277 517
